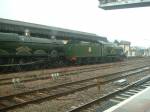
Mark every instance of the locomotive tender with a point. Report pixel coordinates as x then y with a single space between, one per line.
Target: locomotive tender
17 49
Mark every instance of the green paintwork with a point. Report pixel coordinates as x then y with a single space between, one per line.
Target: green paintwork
15 44
83 50
98 50
110 49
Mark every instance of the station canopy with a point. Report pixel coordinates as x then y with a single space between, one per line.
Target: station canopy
43 31
121 4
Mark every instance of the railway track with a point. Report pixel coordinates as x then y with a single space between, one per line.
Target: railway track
8 80
115 97
61 73
38 95
9 68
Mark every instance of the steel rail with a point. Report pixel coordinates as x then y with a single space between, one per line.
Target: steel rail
110 95
5 81
58 93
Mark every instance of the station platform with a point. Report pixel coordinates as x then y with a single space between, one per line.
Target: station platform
137 103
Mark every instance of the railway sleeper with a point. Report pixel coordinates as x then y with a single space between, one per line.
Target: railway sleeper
124 95
40 95
8 102
133 90
2 105
119 98
130 93
19 100
114 101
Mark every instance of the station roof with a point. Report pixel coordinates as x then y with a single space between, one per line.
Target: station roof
44 31
121 4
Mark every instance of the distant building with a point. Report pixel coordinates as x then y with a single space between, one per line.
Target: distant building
138 51
147 52
132 51
126 47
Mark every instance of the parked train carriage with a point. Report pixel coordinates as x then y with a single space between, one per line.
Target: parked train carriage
21 49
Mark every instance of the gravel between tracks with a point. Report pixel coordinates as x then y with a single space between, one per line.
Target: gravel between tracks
65 103
9 89
64 69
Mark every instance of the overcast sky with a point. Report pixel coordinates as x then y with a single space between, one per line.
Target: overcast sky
83 15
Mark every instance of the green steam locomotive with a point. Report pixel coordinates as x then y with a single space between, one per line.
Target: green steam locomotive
17 49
